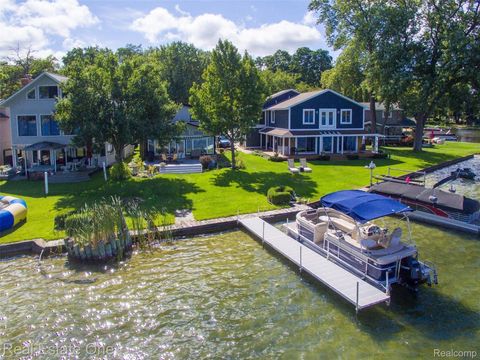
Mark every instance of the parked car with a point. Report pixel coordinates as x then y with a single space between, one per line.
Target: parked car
223 142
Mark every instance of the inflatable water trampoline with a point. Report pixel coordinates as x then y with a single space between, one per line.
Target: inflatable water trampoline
12 211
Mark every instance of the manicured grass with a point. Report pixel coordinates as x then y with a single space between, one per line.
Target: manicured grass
215 193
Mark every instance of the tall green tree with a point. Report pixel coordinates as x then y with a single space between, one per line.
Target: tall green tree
280 80
181 65
114 99
309 64
427 50
14 68
229 100
354 21
347 76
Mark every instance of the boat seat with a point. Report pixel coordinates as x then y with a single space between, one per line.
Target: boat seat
319 233
344 225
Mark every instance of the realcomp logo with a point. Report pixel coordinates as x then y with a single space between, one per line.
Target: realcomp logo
454 353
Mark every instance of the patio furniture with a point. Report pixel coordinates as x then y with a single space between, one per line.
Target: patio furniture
164 157
175 158
291 167
303 164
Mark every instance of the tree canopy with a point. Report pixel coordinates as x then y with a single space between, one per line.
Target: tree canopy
14 68
229 100
305 64
114 98
181 65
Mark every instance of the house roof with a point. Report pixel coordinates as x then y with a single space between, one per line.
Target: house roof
292 133
380 106
287 104
281 93
55 77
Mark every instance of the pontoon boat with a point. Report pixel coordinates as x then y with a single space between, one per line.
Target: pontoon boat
342 231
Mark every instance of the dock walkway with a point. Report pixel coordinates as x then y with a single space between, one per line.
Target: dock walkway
350 287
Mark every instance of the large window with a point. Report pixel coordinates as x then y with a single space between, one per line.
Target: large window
49 126
47 92
346 116
27 125
308 116
327 144
306 145
272 117
350 143
327 117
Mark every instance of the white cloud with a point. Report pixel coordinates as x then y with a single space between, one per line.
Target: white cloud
33 23
205 30
310 18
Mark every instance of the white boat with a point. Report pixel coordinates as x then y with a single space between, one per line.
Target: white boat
342 231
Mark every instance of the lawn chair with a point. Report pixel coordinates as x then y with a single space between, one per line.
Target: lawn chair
164 157
175 158
303 164
291 167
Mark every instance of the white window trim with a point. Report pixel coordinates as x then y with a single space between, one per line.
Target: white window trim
334 125
55 98
303 120
341 116
36 125
34 90
272 116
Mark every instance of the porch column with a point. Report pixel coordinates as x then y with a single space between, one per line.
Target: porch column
55 161
283 146
341 145
375 148
320 150
261 138
14 157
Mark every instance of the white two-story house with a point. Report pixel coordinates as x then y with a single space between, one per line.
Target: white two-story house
36 139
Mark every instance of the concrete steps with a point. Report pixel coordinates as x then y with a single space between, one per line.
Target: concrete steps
180 169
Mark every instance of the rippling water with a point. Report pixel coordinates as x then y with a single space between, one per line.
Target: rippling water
465 187
225 296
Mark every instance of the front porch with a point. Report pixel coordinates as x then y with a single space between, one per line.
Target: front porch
304 143
364 154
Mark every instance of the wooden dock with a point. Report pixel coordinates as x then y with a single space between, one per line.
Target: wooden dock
349 286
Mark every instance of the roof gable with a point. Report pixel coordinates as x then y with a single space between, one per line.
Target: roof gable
285 105
55 77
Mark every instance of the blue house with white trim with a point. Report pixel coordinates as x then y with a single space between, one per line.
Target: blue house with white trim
310 123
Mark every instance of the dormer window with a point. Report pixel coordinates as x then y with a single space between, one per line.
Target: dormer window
47 92
31 95
308 116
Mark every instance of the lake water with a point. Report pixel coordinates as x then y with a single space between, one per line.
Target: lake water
226 297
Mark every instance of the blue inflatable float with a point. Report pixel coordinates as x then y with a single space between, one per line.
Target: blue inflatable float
12 211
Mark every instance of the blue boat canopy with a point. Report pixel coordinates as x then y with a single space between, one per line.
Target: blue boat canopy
363 206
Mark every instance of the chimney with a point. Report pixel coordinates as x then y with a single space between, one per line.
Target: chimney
27 79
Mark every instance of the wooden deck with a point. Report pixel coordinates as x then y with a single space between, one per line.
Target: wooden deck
350 287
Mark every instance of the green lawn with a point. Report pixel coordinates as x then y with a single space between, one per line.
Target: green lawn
215 193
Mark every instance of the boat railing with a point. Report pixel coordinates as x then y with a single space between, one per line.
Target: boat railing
364 274
406 171
365 259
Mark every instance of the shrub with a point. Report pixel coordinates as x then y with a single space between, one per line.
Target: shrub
280 195
380 156
205 160
120 171
221 150
276 158
324 157
352 156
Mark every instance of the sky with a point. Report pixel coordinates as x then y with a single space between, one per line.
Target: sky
56 26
